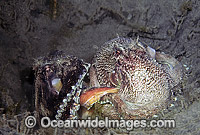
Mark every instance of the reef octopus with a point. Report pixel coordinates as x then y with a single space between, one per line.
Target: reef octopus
137 81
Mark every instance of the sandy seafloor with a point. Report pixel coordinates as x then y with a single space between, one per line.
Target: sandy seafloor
33 28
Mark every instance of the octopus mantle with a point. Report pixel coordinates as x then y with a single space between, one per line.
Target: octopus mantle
145 78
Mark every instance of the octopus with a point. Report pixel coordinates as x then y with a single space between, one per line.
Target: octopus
58 85
129 80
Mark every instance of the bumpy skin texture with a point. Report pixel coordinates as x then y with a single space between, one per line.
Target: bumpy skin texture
145 78
56 65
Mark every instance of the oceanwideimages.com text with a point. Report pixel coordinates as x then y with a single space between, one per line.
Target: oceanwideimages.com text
95 123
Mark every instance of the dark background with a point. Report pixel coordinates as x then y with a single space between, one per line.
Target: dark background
32 28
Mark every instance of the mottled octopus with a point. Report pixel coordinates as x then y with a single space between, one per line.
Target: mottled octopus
58 85
145 79
136 80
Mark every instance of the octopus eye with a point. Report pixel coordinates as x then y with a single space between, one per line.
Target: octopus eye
48 69
117 52
57 84
48 72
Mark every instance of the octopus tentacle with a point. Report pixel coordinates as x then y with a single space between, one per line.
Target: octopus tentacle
74 94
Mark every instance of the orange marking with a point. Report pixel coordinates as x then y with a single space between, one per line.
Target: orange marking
91 96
